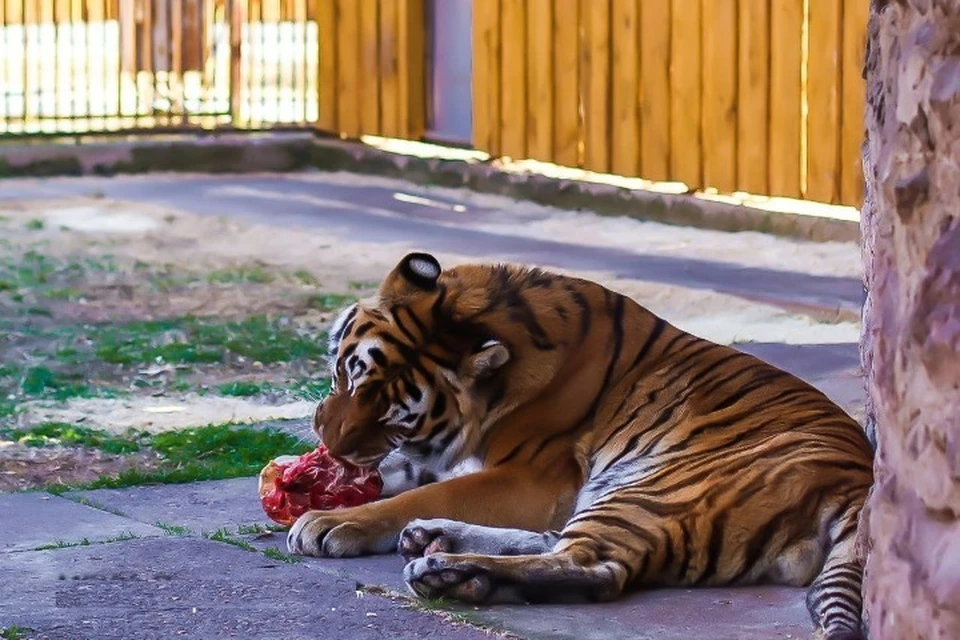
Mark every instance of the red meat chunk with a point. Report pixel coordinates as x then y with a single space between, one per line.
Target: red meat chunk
291 486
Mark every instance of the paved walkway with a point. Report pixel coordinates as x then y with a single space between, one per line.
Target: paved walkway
128 577
139 563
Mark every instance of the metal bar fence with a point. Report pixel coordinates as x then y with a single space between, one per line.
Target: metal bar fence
70 67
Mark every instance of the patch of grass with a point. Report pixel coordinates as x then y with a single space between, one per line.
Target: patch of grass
361 285
222 535
202 340
63 544
129 535
15 632
305 277
173 529
330 301
276 554
63 293
251 529
85 542
243 389
224 449
214 452
312 389
239 275
7 408
41 381
32 270
35 224
308 389
62 433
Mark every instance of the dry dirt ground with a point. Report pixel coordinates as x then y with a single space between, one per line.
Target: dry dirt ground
118 316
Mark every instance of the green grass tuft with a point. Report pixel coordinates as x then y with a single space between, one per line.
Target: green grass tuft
330 301
173 529
62 433
15 632
86 542
63 544
255 274
276 554
251 529
214 452
35 224
243 389
222 535
195 340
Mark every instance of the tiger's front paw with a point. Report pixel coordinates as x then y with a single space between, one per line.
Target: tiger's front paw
342 533
447 576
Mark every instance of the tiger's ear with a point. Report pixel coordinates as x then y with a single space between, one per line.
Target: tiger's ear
420 269
492 355
415 272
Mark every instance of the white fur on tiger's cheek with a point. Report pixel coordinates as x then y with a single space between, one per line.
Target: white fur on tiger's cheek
360 363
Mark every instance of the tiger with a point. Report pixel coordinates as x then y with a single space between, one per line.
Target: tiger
574 446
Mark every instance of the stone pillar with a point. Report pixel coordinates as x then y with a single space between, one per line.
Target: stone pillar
911 335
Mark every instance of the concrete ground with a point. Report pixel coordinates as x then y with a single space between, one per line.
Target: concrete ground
146 563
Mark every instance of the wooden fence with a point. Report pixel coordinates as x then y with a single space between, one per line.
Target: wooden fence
764 96
372 67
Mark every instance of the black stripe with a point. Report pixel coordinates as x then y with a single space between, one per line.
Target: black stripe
658 326
618 331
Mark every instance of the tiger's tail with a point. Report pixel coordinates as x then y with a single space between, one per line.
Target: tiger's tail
834 598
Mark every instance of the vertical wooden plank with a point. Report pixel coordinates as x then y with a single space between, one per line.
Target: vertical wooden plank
566 83
485 51
540 107
236 19
410 69
145 18
823 98
348 67
161 36
655 90
389 82
127 18
625 120
720 94
176 38
686 155
595 80
327 82
753 110
786 28
369 79
513 106
852 128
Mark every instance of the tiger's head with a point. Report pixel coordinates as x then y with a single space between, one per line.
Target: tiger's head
413 369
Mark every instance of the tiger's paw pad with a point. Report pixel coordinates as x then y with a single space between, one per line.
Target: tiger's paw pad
437 576
422 538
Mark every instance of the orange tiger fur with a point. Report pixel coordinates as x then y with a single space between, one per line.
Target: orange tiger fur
614 450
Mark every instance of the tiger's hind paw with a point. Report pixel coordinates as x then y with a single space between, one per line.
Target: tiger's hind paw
439 576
